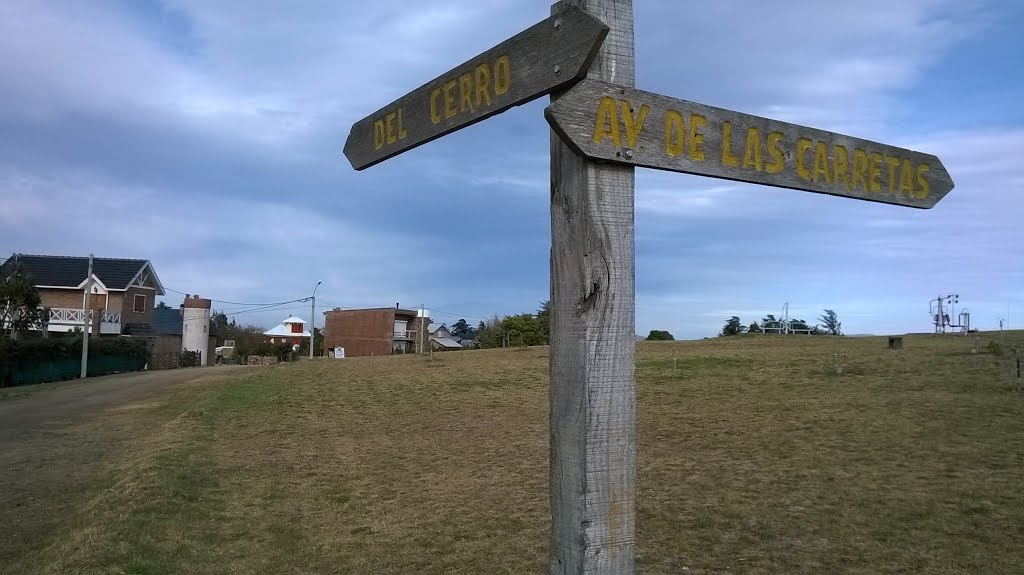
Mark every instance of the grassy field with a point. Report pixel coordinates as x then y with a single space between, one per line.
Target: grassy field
754 457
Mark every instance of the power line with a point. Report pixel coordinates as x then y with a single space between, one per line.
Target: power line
233 302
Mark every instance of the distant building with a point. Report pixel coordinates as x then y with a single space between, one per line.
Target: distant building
441 338
291 330
377 331
183 329
123 292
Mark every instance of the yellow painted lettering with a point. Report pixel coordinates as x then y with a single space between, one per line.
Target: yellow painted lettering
502 75
466 92
728 159
775 151
449 99
435 114
634 124
483 85
821 162
752 151
696 138
803 145
389 121
842 161
876 171
675 128
402 132
378 134
607 125
907 178
893 163
922 182
860 169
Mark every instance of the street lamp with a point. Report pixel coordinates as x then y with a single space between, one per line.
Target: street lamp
312 320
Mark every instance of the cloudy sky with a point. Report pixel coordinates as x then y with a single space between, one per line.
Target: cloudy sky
206 136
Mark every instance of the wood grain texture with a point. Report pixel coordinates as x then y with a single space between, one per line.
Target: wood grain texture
552 54
593 444
604 121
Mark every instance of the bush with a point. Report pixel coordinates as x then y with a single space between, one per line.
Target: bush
22 351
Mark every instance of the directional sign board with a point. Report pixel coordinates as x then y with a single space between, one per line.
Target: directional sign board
604 121
550 55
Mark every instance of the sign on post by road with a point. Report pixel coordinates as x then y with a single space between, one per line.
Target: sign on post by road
552 54
605 128
604 121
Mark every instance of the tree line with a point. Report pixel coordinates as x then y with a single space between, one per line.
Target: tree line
828 324
519 330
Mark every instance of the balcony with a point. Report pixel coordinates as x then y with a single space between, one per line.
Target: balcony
64 319
407 335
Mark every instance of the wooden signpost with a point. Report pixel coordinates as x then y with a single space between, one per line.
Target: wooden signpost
602 129
549 55
606 121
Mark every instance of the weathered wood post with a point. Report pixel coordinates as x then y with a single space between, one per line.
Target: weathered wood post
593 445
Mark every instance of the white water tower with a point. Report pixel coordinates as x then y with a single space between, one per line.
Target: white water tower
195 326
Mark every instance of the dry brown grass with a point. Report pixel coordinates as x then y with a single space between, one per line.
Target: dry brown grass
754 457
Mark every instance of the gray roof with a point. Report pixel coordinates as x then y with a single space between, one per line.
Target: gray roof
167 321
445 342
71 271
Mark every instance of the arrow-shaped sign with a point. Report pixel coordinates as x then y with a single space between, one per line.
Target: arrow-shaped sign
550 55
604 121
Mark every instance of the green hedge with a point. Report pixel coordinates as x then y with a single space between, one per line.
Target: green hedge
24 362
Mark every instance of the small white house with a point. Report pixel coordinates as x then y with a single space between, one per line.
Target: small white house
291 330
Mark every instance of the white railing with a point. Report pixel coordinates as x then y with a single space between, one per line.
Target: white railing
67 315
407 334
77 316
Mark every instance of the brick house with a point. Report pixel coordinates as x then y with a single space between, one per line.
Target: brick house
377 331
124 291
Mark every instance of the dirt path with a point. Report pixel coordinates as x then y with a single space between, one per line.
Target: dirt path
59 404
54 440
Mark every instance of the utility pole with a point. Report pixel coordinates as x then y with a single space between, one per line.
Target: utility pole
87 324
423 329
312 321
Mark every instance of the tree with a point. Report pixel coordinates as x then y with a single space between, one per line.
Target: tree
318 344
162 305
754 328
246 338
523 329
544 317
462 330
218 321
830 323
733 326
798 324
19 302
491 332
659 335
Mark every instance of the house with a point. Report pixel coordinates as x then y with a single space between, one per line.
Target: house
291 330
123 291
441 338
175 331
377 331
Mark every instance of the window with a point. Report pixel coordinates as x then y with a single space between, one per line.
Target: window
140 303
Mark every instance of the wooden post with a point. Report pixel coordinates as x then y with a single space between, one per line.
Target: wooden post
593 443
